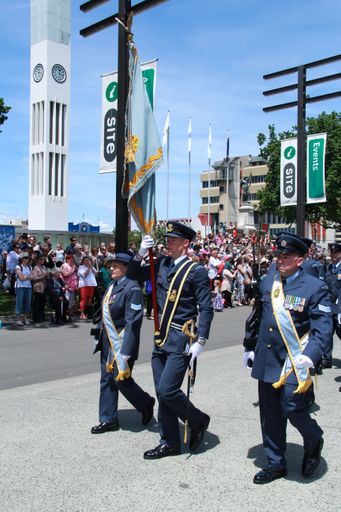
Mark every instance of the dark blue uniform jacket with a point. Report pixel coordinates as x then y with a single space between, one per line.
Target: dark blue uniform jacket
127 312
195 296
316 317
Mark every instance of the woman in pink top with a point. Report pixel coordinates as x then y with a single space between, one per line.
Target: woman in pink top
69 276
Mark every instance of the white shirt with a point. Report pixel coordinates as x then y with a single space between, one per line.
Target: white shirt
213 266
86 280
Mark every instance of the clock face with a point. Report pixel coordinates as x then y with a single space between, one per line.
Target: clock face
59 73
38 73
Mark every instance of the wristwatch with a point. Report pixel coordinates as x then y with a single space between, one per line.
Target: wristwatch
201 341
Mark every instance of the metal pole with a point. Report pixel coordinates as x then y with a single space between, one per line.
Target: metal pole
300 211
189 187
123 81
168 134
209 181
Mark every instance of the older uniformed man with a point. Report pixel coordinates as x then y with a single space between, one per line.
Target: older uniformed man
295 324
182 287
118 341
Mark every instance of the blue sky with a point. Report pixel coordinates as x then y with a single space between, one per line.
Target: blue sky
212 57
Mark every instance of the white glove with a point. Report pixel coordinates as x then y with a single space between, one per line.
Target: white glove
247 358
339 318
303 361
195 350
125 357
146 244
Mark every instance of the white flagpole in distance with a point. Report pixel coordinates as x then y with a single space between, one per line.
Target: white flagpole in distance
189 168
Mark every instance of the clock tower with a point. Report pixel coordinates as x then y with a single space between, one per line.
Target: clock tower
49 115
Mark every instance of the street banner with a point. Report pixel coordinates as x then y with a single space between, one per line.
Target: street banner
316 154
108 148
288 172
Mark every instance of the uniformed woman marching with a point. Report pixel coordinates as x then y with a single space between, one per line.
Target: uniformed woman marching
118 341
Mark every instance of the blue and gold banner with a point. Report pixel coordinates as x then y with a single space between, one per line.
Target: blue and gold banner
143 151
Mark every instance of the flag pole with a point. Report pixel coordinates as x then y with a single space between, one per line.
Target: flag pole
166 132
154 300
189 168
209 178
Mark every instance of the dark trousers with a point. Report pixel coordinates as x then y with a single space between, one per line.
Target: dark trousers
276 406
38 306
169 370
228 299
109 388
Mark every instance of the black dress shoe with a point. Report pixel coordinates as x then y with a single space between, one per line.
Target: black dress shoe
198 434
267 475
312 459
148 413
105 427
160 451
327 363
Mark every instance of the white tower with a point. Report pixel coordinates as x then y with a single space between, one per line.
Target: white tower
49 116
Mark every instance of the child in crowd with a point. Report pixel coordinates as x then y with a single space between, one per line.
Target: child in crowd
218 301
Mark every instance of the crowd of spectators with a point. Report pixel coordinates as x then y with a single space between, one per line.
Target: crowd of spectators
57 283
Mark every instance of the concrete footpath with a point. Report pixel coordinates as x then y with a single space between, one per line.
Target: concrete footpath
50 461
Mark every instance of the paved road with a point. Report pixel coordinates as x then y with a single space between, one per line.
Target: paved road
31 355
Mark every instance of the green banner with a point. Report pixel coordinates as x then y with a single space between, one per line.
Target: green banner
316 150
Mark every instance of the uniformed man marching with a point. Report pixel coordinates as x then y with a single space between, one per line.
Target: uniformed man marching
333 279
295 324
118 341
182 288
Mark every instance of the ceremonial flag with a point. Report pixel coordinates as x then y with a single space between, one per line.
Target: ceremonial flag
316 154
143 152
166 130
209 142
189 135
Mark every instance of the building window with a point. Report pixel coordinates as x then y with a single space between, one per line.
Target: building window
205 200
258 179
221 207
205 184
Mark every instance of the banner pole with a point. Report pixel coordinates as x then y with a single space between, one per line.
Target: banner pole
153 280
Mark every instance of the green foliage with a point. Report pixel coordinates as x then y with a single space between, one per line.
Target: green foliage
4 109
328 213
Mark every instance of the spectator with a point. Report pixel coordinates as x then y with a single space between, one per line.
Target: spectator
213 265
78 255
11 265
23 289
70 249
228 276
56 294
111 250
59 255
69 276
87 284
106 272
40 274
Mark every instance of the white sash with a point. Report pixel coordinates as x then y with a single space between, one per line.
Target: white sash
292 342
115 340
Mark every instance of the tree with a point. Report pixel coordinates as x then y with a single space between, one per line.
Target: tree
4 109
329 213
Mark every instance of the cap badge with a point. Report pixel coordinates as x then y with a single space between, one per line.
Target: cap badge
283 243
170 226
